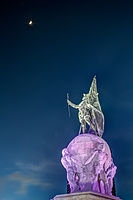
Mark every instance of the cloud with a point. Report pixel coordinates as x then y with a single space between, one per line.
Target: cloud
25 176
43 166
25 181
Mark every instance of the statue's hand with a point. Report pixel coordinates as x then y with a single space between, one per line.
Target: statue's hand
72 104
68 102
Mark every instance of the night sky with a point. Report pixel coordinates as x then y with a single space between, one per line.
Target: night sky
68 43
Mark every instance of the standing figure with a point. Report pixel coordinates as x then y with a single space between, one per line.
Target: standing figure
90 111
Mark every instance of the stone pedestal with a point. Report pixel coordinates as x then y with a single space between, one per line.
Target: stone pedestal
85 196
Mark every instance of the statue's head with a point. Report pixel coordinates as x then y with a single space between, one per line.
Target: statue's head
85 97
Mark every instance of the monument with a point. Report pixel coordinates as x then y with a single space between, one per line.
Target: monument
87 159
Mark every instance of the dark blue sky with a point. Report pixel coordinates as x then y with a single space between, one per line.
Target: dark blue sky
70 42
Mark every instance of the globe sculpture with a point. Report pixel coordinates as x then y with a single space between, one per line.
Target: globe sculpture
89 164
87 159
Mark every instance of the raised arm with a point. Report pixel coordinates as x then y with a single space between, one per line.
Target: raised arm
72 104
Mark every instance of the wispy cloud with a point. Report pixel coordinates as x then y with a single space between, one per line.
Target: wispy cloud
25 181
41 167
25 175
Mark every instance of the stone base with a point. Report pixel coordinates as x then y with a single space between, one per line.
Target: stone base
85 196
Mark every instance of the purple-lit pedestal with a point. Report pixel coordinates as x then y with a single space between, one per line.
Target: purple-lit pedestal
89 164
90 169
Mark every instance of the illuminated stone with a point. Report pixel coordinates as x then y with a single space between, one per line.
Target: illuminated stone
85 196
89 164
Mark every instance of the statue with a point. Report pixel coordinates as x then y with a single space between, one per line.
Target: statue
90 111
87 159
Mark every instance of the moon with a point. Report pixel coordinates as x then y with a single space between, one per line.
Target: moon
30 22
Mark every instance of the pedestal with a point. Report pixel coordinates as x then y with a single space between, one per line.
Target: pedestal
85 196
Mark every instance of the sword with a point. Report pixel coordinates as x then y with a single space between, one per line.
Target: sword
68 105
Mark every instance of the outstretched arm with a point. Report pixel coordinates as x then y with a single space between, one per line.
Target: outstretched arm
72 104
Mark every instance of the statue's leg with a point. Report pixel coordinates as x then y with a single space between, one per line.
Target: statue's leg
83 128
89 122
110 183
87 119
83 123
80 130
